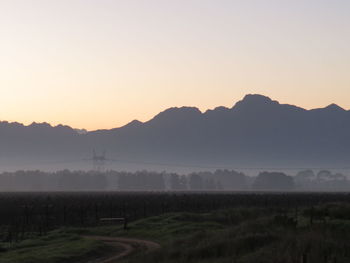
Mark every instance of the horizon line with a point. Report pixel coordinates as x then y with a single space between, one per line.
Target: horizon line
83 130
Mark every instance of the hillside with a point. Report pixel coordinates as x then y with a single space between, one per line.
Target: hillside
255 132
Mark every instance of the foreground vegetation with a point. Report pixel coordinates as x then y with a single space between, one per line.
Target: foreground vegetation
56 246
299 231
316 235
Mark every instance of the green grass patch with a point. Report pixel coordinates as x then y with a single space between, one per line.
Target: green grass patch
162 229
56 247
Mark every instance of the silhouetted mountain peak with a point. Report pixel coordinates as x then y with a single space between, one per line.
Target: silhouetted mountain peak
182 110
252 101
6 124
334 107
40 125
176 113
256 131
134 123
217 110
44 126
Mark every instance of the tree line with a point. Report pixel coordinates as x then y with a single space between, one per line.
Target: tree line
229 180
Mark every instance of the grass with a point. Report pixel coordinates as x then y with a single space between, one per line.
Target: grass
160 229
56 247
240 235
67 245
246 236
167 227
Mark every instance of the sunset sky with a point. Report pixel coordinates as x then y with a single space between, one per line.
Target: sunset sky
101 63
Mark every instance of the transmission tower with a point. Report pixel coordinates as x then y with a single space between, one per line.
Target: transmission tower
99 161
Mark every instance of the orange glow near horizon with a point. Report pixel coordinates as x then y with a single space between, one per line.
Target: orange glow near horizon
101 63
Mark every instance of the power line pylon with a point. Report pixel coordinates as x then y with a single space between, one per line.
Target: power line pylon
99 161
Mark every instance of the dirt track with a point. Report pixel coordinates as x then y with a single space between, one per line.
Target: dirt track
128 245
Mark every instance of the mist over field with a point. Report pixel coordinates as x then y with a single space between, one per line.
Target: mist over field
220 180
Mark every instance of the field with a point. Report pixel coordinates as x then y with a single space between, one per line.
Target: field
189 226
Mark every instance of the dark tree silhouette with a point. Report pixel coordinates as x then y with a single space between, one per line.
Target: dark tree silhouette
273 181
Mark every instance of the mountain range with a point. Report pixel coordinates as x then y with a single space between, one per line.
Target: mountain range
256 132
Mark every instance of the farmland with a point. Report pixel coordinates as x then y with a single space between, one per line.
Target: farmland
31 213
60 219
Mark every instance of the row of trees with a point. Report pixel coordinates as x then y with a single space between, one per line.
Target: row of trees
229 180
113 180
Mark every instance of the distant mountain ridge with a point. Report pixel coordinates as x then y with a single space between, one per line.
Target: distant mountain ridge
256 131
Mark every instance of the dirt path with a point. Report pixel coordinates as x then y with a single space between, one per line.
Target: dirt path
128 245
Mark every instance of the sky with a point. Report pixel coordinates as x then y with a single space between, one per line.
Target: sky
99 64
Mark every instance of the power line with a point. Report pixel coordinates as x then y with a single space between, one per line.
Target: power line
179 165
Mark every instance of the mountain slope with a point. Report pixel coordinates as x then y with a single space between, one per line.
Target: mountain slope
256 131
